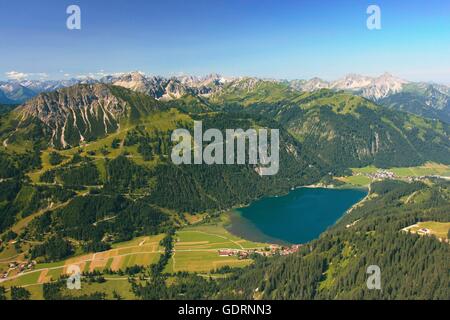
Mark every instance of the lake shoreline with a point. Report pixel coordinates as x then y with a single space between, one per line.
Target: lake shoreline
305 212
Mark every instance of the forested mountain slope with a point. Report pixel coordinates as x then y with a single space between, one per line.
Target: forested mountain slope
342 129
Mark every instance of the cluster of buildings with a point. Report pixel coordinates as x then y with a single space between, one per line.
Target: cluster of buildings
386 174
382 174
241 254
267 252
20 267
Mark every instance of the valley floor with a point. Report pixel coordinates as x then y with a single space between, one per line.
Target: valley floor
364 176
196 249
200 248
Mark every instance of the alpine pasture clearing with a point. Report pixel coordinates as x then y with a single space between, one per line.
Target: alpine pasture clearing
196 249
112 284
428 169
437 229
202 261
119 285
359 175
142 251
101 149
357 180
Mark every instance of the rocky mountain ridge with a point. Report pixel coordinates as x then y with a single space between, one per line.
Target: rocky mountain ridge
425 99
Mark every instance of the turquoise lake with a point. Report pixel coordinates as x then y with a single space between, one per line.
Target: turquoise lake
296 218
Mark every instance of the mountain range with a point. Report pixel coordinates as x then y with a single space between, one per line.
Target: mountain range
425 99
351 130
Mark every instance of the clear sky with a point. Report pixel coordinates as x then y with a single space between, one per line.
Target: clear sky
278 38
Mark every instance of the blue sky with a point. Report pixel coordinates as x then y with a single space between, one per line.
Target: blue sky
278 38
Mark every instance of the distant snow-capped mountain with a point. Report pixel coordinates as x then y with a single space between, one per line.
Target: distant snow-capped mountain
210 80
39 86
4 99
313 84
373 88
425 99
166 88
20 91
15 92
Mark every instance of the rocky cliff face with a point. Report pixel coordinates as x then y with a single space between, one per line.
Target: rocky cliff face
165 88
75 114
372 88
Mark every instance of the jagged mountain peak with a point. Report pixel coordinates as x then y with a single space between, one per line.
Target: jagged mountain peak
369 87
315 84
73 115
352 81
213 79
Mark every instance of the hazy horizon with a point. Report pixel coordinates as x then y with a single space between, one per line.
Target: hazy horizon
98 76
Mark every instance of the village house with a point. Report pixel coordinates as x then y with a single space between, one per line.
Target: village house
227 253
424 231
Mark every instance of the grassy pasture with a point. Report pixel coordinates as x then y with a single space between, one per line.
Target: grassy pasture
158 121
429 168
196 249
359 177
202 261
358 180
142 251
437 229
